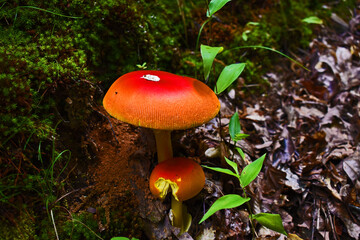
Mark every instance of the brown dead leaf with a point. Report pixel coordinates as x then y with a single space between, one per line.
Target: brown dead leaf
351 166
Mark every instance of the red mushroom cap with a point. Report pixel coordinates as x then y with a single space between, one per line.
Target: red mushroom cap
184 176
161 100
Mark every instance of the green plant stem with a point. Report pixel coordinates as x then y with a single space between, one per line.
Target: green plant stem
250 211
163 144
2 5
270 49
283 15
44 10
249 207
182 14
199 34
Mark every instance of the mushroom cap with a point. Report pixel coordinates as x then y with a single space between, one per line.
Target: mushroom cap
161 100
185 177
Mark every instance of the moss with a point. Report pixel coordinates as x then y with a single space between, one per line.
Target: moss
83 226
23 227
46 53
121 222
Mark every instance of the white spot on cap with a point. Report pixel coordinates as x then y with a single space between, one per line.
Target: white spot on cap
150 77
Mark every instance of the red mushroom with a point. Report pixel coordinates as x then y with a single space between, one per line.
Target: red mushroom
185 178
162 101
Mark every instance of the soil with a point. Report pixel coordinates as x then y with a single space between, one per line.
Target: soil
123 158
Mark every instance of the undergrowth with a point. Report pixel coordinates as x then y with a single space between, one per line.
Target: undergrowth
57 56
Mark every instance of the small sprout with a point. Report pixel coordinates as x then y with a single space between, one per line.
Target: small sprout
142 66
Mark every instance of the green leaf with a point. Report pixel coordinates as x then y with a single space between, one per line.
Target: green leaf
228 75
251 171
240 136
225 202
222 170
244 35
242 154
313 19
271 221
233 165
234 126
208 55
123 238
215 5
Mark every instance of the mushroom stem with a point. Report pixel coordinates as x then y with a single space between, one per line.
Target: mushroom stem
163 144
177 210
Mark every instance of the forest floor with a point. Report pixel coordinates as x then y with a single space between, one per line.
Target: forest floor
308 124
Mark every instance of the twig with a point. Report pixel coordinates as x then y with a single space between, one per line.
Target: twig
53 221
67 194
331 223
313 226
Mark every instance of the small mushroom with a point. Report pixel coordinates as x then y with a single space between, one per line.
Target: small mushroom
185 178
162 101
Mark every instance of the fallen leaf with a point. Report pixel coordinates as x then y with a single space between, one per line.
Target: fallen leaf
351 166
292 236
293 181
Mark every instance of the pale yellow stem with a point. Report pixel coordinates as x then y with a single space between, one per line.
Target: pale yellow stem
177 210
163 144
